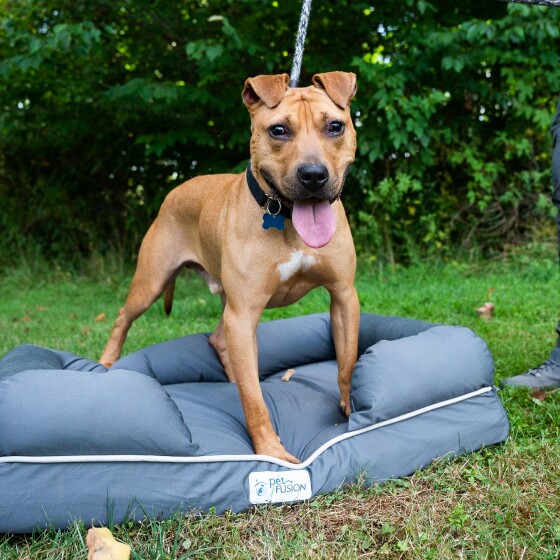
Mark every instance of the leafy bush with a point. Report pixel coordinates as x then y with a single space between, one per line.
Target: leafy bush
108 105
456 127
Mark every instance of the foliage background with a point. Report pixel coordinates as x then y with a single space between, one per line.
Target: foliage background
107 105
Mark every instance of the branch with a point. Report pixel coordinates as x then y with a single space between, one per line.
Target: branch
554 3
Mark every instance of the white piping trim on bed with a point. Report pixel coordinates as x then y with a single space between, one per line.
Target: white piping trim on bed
234 458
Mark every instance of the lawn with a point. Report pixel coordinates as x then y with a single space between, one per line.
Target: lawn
502 502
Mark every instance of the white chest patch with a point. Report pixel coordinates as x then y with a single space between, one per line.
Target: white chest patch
298 262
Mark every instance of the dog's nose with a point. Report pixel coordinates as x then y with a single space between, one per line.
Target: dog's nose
313 176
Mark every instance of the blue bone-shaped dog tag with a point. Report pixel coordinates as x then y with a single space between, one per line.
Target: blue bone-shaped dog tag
270 221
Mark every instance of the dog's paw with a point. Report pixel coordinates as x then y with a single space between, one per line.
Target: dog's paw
277 450
290 458
345 408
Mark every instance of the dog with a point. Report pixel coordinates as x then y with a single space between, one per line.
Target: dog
263 238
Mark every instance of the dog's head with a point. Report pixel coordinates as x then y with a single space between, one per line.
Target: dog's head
303 142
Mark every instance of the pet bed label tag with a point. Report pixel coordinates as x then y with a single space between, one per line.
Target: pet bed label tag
271 487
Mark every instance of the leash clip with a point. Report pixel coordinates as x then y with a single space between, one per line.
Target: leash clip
272 211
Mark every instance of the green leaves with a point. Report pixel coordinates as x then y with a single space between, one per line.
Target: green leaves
199 50
147 90
38 49
453 63
462 105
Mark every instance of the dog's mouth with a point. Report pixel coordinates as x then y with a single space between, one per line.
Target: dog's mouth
274 189
314 220
312 216
295 193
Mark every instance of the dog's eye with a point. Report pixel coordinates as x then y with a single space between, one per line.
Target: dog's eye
278 131
336 128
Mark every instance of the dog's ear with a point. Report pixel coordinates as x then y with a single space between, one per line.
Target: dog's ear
268 89
340 86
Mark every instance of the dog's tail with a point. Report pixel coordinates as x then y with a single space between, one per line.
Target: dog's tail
168 297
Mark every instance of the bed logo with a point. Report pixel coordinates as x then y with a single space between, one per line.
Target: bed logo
270 487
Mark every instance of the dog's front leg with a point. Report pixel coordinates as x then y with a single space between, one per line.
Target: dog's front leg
345 320
240 326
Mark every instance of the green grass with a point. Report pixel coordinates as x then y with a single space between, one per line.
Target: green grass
502 502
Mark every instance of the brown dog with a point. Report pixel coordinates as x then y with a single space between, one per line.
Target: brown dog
302 144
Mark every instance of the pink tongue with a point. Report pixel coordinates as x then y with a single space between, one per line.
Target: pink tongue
315 221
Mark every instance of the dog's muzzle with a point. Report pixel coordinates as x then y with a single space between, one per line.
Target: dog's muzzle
313 176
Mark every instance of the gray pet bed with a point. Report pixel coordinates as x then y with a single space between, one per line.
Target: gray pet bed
163 431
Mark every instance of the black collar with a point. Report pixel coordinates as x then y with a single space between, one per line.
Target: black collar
270 204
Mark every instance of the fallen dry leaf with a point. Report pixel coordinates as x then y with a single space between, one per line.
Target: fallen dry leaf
100 317
40 308
486 310
85 330
288 375
539 394
26 318
103 546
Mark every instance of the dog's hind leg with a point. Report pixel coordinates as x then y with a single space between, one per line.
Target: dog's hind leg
157 268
